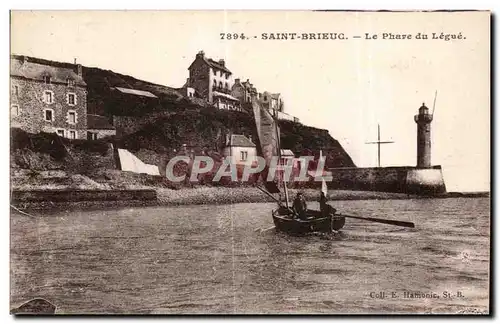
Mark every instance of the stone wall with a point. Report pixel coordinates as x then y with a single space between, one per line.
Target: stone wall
27 98
125 125
199 79
389 179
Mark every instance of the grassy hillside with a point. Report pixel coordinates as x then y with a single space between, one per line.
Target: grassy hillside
205 129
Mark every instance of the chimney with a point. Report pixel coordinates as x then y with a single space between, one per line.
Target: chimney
222 62
24 59
79 70
200 54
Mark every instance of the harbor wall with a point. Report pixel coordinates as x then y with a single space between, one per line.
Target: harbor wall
409 180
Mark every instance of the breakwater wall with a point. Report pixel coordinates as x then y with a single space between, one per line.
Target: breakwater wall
64 195
410 180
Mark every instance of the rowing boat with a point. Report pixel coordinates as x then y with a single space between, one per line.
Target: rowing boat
285 221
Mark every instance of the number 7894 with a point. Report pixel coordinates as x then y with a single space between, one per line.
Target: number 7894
230 36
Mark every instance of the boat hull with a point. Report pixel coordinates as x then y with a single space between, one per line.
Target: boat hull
316 222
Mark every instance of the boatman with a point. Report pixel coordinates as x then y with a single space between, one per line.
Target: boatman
325 208
300 206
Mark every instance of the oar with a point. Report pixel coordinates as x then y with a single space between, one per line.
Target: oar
274 198
21 212
264 230
380 220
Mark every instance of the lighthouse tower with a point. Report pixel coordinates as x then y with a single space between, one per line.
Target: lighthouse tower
423 120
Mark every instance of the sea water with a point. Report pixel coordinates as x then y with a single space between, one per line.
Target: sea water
227 259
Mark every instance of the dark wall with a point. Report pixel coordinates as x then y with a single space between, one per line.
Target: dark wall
390 179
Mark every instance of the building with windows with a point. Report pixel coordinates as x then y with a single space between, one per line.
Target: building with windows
240 149
47 98
211 80
99 127
245 92
272 101
276 106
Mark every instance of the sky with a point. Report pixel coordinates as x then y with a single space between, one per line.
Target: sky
345 86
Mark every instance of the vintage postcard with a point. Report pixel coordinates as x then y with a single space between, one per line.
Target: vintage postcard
250 162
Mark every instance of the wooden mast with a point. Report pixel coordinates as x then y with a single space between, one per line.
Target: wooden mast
278 137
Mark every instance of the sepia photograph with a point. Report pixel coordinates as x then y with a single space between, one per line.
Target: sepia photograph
250 162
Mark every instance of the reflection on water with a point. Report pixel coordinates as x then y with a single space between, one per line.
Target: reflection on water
225 259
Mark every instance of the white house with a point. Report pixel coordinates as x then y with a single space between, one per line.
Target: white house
240 149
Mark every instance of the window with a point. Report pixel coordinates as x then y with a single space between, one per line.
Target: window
48 96
48 115
227 76
72 134
265 98
46 79
71 83
243 155
91 136
60 132
220 84
16 111
227 86
16 90
215 73
71 117
71 99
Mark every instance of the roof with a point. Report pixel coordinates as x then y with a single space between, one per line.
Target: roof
220 94
216 65
212 63
136 92
249 86
287 152
98 122
37 71
271 95
241 141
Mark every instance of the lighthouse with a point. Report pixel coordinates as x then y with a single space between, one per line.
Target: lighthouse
423 120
